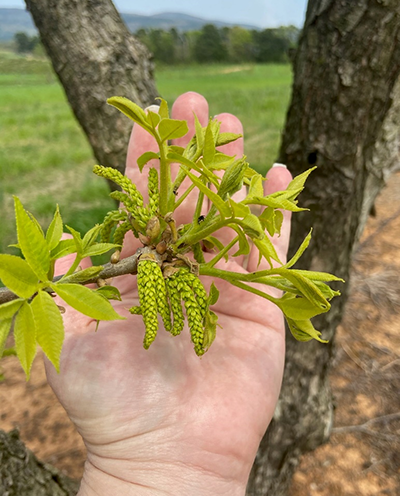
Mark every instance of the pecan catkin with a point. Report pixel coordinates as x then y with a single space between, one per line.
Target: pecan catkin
176 305
161 296
194 317
120 232
154 194
148 299
109 222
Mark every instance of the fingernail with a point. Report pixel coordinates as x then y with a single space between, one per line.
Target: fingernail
152 108
279 165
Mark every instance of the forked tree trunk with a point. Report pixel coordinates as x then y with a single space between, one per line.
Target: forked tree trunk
96 57
344 118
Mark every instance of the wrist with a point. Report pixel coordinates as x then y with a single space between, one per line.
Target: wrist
148 478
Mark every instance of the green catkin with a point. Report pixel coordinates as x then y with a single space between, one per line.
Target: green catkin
109 222
154 194
176 306
194 318
148 299
122 181
140 213
161 296
120 232
136 310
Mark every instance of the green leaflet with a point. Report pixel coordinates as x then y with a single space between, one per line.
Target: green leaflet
298 308
210 329
252 227
49 327
54 231
298 181
256 188
64 247
213 295
238 209
86 301
209 145
153 119
77 239
18 276
266 249
225 138
25 337
244 247
109 292
98 249
163 110
307 288
319 276
5 327
31 242
271 220
216 200
303 330
90 237
172 129
199 133
146 157
9 309
84 275
131 110
212 178
299 252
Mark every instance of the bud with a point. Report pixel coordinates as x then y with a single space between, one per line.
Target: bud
115 257
161 247
153 228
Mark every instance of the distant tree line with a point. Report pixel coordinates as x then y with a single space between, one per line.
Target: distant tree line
212 44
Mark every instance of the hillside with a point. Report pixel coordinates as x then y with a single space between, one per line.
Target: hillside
14 20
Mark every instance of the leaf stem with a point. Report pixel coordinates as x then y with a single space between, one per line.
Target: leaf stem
218 257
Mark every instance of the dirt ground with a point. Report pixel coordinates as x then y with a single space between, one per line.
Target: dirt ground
362 457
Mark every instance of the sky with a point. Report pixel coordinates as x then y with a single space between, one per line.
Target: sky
260 13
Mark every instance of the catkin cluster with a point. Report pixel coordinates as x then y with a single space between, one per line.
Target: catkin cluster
130 197
164 296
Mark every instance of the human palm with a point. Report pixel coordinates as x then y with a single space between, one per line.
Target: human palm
164 415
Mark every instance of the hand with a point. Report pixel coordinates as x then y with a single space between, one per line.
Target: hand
165 421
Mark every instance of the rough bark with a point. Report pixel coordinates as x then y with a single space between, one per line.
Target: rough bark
96 57
344 118
21 474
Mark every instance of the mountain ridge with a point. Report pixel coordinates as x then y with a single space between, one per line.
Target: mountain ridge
13 20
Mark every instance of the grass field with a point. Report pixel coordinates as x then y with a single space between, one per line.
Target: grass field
45 158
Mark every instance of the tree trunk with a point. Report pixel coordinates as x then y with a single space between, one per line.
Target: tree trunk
96 57
344 118
21 474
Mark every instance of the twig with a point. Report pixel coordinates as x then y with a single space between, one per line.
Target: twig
126 266
366 427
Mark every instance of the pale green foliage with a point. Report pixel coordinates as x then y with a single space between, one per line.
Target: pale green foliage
167 278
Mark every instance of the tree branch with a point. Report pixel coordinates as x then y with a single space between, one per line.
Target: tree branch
126 266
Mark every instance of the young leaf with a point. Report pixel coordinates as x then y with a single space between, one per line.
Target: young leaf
244 247
238 209
209 145
90 237
109 292
212 178
225 138
213 295
163 111
303 330
9 309
252 227
77 238
55 230
256 186
86 301
298 308
17 275
98 249
84 275
131 110
146 157
153 118
172 129
49 327
25 337
210 329
266 249
5 327
212 241
300 251
216 200
298 181
199 133
64 247
31 242
232 180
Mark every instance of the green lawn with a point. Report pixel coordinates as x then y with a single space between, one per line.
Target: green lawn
45 158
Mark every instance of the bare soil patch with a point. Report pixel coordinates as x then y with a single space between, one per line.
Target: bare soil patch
363 455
